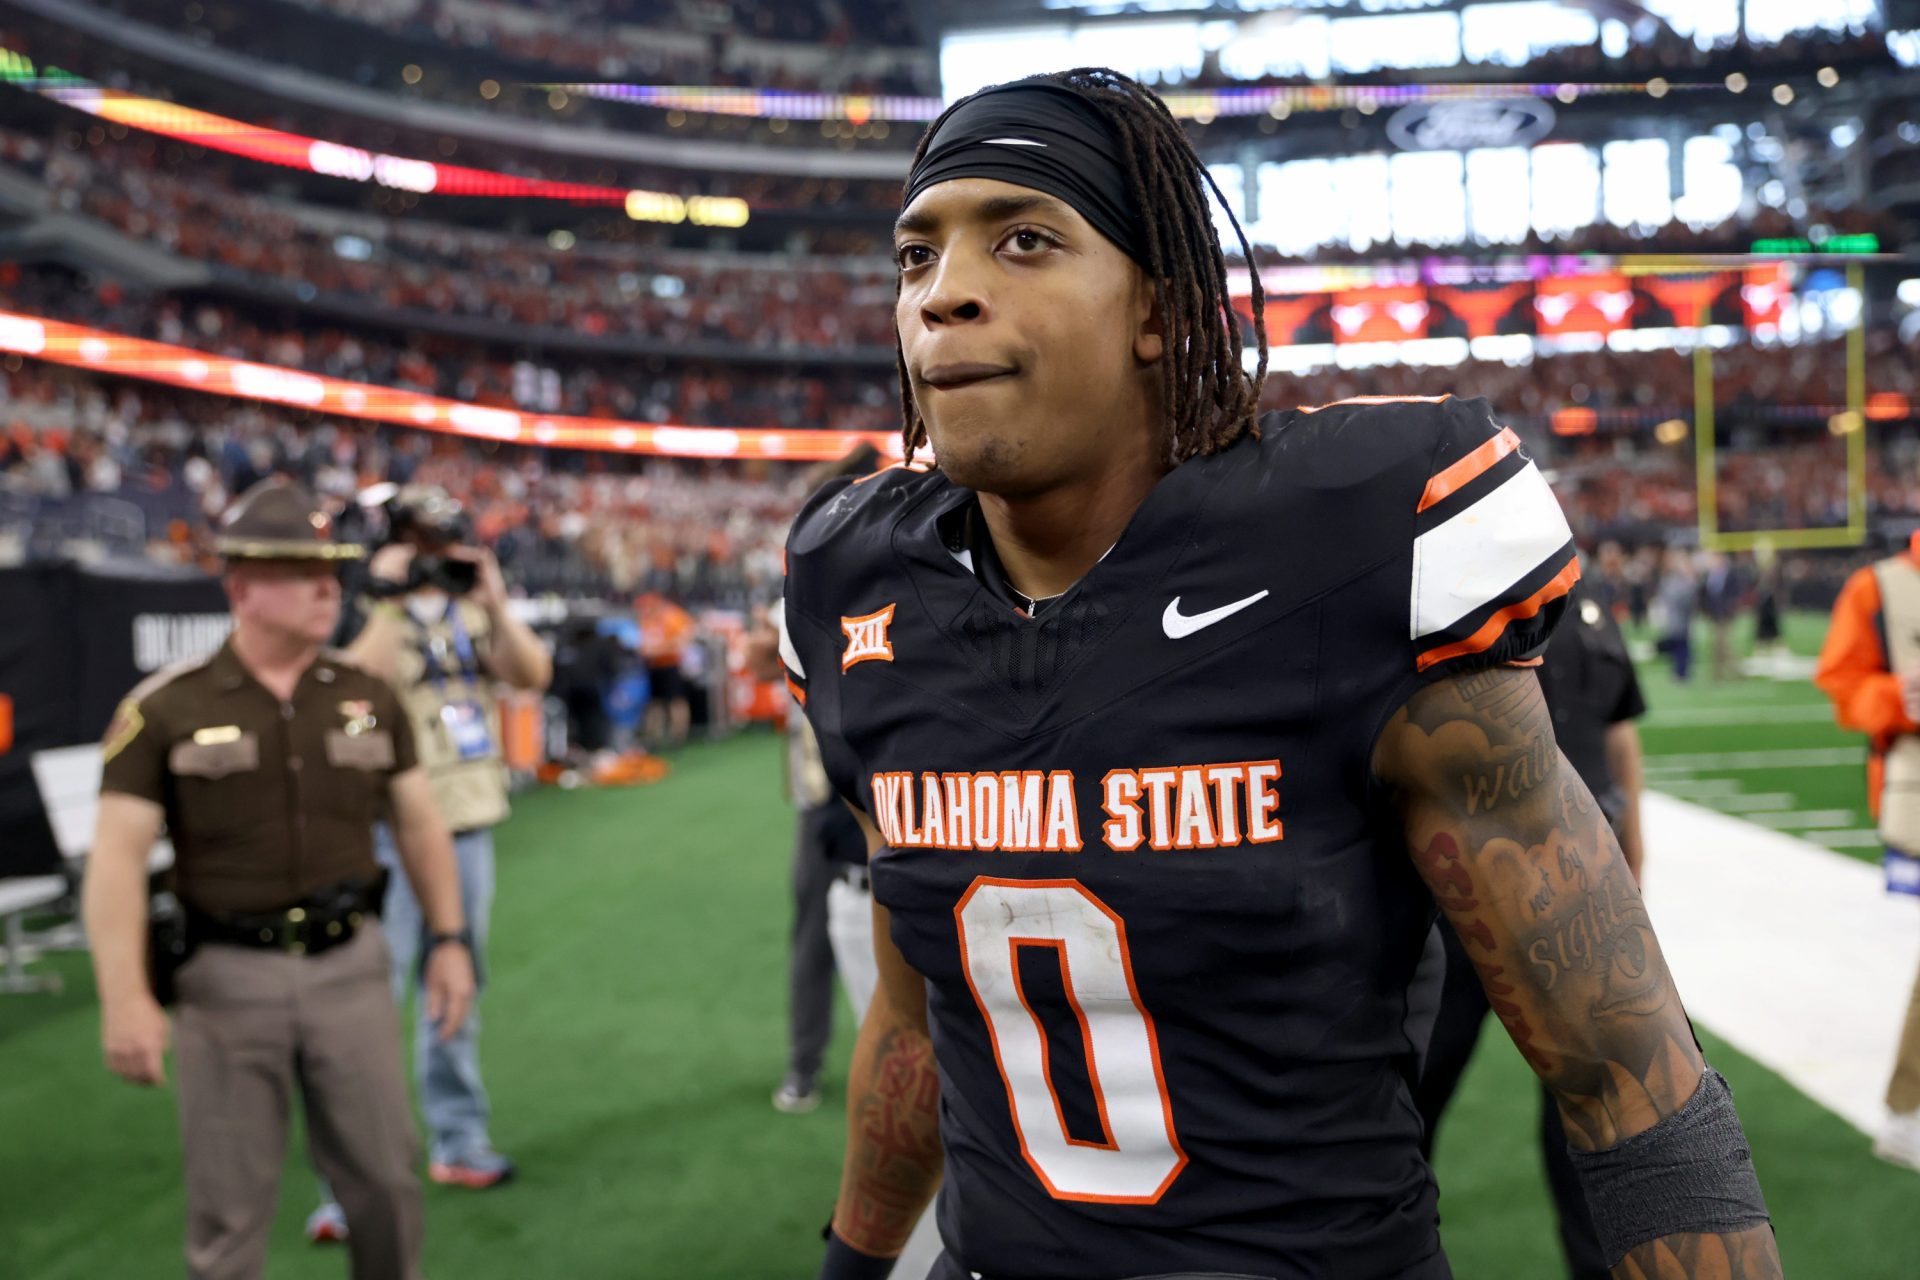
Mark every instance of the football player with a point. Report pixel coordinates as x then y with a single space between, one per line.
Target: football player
1168 725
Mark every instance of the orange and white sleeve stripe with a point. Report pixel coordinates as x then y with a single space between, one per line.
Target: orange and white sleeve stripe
789 656
1491 551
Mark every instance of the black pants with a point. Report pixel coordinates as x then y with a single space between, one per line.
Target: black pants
827 837
1463 1011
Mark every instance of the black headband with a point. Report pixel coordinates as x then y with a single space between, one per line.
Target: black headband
1034 133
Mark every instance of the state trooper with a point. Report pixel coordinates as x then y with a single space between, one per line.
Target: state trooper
269 763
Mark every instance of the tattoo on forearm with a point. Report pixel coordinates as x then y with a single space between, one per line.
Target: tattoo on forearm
893 1152
1742 1255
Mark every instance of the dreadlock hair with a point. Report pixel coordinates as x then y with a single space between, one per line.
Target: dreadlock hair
1210 398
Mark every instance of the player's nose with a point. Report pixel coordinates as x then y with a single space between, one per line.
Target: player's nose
956 294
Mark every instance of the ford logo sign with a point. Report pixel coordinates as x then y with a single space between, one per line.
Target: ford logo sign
1467 126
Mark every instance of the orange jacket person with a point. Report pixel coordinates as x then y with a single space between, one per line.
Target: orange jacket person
1870 667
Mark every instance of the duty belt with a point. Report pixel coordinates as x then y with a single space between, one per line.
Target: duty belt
319 923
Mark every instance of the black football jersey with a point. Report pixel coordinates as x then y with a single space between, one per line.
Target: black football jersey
1165 914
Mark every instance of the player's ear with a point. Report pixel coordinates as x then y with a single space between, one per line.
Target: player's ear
1149 320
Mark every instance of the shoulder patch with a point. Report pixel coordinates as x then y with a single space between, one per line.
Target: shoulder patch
125 726
346 662
167 675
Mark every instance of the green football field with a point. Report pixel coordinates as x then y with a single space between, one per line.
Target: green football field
635 1031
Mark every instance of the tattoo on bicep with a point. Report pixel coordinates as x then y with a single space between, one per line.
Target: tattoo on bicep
1495 693
1543 899
1606 937
1487 785
1528 872
1446 873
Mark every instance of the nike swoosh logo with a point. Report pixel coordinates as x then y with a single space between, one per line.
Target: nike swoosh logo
1178 625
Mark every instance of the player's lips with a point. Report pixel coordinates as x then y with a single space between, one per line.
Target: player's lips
950 377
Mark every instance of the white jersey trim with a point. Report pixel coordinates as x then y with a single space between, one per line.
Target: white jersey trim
1465 564
788 654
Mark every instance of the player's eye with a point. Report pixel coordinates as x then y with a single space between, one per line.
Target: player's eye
1026 241
909 256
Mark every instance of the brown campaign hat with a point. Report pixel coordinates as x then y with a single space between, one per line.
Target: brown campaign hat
277 520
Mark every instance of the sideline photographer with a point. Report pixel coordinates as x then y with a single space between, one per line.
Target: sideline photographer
438 629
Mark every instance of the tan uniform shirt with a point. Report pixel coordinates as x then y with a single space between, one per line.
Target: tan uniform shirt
434 675
267 802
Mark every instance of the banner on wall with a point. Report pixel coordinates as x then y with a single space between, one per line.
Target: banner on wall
1551 298
83 639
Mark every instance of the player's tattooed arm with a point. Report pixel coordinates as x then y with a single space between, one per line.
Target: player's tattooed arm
1525 867
893 1135
893 1162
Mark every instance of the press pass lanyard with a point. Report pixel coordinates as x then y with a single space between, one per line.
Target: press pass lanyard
466 660
464 718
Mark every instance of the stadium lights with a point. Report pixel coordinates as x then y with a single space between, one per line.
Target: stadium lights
1737 82
334 160
1197 104
701 211
105 352
1672 431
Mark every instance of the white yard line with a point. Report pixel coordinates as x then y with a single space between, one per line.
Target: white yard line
1757 802
1797 819
1701 788
1786 758
1793 953
1857 838
1684 717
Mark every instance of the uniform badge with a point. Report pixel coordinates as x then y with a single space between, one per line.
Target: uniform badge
867 638
214 735
126 726
359 716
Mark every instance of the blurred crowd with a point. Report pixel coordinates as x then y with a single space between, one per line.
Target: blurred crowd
403 265
1622 389
834 23
1652 384
596 524
146 468
453 46
657 389
578 286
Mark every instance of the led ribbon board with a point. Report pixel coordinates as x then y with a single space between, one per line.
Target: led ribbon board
81 347
1186 104
332 159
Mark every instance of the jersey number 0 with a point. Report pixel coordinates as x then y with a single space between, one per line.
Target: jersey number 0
1141 1154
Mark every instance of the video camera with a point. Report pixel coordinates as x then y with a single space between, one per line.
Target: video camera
430 521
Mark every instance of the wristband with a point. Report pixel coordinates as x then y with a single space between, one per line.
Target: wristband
844 1262
433 941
